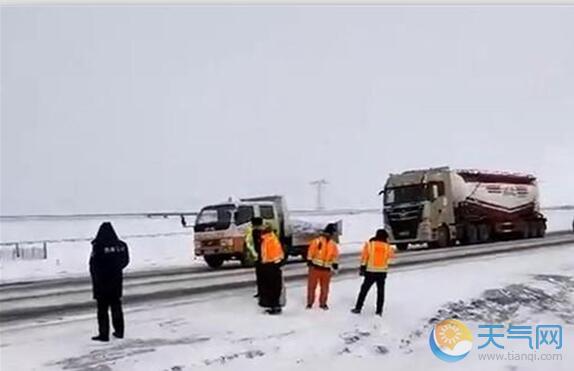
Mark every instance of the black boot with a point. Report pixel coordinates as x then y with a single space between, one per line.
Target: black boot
117 335
274 311
100 338
356 311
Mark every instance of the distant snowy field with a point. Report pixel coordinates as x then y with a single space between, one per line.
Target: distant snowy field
227 331
67 259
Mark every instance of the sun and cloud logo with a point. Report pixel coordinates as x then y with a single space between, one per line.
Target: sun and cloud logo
450 340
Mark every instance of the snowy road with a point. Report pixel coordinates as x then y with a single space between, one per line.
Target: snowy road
59 297
226 331
170 253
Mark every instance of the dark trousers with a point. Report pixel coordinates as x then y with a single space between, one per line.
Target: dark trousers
104 319
271 285
258 277
371 278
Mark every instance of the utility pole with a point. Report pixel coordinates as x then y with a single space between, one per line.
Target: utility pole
319 185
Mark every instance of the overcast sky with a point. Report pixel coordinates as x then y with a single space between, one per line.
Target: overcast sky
113 109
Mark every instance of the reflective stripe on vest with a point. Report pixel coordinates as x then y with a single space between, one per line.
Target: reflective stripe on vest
378 260
325 256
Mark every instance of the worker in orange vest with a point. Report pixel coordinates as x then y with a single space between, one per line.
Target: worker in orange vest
374 263
322 259
271 259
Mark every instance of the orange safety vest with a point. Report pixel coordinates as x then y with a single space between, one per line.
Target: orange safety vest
271 249
376 256
322 252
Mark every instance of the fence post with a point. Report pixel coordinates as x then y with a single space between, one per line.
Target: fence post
17 250
45 244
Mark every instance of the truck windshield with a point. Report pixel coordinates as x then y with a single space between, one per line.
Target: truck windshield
214 217
410 193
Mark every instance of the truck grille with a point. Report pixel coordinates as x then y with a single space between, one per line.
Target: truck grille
404 221
209 243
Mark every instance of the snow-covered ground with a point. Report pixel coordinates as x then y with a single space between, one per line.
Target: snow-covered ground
228 332
67 259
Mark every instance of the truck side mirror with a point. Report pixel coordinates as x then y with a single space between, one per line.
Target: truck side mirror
434 192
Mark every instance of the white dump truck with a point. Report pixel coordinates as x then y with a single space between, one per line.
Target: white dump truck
441 207
220 229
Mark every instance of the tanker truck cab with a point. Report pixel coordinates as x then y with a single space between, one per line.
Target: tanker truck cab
441 207
417 208
220 230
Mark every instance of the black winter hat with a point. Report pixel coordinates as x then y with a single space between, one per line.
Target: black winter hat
381 235
330 229
257 221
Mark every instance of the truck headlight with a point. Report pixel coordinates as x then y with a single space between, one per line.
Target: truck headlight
226 242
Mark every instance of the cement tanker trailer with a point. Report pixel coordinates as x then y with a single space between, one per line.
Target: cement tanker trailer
442 207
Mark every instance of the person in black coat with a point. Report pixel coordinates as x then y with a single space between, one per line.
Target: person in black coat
109 257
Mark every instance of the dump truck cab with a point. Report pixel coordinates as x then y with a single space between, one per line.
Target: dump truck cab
220 229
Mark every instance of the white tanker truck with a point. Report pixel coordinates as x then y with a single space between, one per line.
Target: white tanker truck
441 207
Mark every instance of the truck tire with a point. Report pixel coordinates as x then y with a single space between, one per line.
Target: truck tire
538 229
470 234
214 261
526 230
533 230
247 261
402 246
443 238
542 229
484 234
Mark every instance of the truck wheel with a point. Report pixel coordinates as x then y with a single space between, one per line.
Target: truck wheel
483 233
442 238
539 229
246 261
542 229
533 229
470 234
526 230
402 246
213 261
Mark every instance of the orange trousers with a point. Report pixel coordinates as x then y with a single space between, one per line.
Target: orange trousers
321 277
